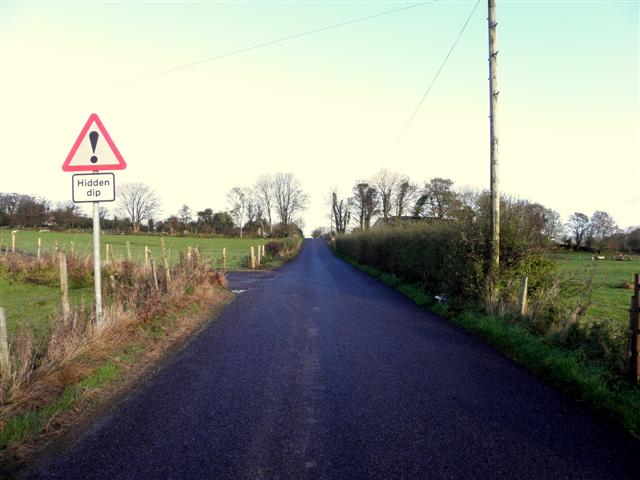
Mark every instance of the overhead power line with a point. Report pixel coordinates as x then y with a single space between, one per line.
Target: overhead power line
283 39
433 81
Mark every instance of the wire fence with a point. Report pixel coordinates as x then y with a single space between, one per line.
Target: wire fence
233 256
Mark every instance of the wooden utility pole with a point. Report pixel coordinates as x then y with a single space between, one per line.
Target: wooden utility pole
493 107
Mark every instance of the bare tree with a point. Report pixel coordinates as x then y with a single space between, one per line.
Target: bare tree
602 225
340 214
289 197
404 196
438 199
553 227
255 213
102 213
184 214
139 202
385 183
578 225
365 203
238 203
264 193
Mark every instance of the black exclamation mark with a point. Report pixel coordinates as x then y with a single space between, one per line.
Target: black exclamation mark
93 138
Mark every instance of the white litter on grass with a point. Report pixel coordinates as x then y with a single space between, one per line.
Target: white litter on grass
238 291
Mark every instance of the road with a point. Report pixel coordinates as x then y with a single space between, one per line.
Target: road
319 371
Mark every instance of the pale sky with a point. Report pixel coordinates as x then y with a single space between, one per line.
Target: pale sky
327 106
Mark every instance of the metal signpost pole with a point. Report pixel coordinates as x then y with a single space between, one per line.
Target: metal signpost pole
97 275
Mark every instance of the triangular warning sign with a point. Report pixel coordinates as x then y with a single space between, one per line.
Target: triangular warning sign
93 150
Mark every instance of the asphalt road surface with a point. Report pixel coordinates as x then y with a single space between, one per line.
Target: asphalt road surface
319 371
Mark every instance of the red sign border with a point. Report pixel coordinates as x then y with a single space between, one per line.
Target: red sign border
93 168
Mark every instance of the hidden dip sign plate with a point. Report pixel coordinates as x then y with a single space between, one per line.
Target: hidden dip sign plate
93 150
93 187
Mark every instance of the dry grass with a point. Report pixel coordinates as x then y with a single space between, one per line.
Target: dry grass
77 346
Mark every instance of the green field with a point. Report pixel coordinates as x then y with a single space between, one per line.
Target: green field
33 305
609 300
237 250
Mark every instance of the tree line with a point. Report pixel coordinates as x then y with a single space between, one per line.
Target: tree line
390 198
270 207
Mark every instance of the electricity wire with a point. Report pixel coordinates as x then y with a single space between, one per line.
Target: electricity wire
433 81
282 39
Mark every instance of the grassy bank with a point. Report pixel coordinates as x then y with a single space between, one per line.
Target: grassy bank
62 367
567 370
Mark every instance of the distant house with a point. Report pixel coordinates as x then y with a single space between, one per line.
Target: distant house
50 221
382 222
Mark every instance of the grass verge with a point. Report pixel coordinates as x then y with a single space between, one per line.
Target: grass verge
27 433
60 395
22 427
562 369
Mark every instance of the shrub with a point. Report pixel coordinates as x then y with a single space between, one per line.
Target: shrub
447 257
275 249
282 249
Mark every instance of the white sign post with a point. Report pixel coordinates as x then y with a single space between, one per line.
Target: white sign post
94 151
97 271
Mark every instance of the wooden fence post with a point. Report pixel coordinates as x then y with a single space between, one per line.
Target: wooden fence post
153 271
523 296
39 247
146 258
167 272
258 258
13 242
4 346
224 258
113 255
72 248
106 253
128 251
64 285
634 332
253 259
